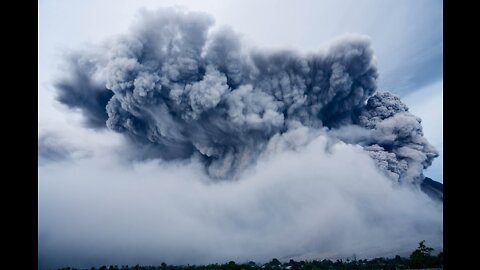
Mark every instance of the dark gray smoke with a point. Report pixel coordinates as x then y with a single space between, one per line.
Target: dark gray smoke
397 144
185 91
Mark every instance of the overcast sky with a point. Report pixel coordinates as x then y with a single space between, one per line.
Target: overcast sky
97 207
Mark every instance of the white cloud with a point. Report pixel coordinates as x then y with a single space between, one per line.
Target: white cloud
316 200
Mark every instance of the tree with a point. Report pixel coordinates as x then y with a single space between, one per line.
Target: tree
421 256
275 262
440 256
439 259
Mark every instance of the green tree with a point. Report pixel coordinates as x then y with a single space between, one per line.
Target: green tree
275 262
439 259
421 256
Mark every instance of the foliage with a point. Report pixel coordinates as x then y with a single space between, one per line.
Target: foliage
420 258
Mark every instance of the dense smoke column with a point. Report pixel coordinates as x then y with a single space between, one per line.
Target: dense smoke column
397 143
172 85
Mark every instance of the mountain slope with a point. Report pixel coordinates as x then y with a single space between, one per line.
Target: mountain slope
433 189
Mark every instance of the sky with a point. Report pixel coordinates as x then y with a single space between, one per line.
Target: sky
91 195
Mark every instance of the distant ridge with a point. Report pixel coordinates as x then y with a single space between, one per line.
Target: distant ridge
433 189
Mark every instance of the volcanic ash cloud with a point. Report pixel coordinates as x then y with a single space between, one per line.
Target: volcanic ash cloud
173 84
201 150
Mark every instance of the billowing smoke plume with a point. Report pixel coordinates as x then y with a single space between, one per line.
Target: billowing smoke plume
184 91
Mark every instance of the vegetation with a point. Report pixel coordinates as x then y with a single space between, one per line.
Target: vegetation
420 258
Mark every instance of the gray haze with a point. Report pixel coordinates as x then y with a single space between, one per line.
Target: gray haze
185 91
306 197
199 149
